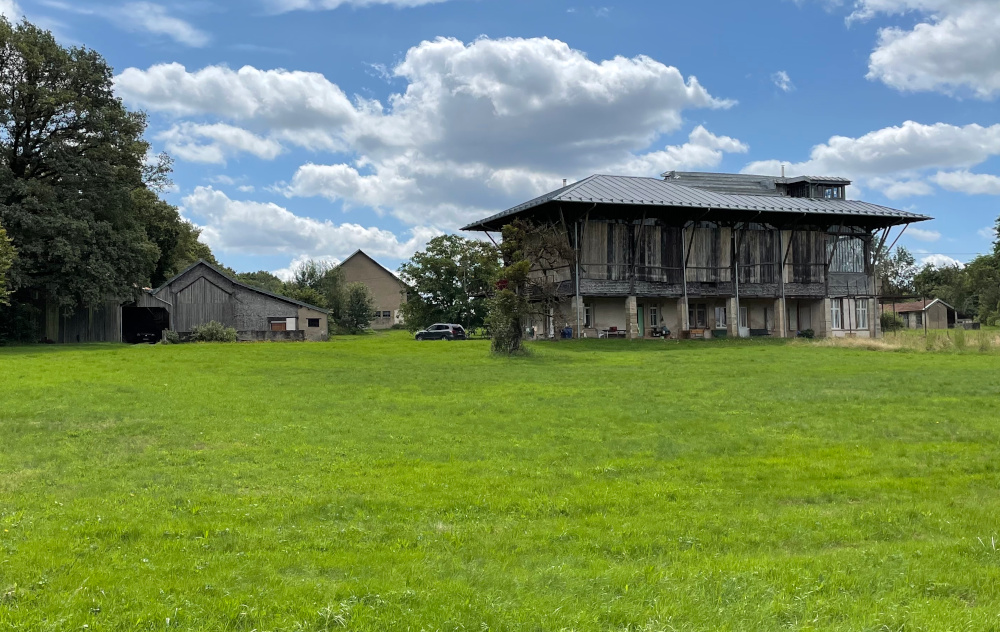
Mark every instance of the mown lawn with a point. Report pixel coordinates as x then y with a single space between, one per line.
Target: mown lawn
378 483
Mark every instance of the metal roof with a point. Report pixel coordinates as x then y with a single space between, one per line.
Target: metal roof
634 191
697 178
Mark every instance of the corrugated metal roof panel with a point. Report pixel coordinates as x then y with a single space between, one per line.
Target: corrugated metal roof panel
604 189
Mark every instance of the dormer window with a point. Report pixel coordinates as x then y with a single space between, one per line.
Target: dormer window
830 192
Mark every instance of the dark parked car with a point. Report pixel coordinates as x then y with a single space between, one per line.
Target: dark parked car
147 337
442 331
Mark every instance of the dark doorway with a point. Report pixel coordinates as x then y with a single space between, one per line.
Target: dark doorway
144 324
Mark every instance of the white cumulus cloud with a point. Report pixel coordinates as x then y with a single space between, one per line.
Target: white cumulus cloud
966 182
10 10
941 261
954 48
266 229
214 143
478 127
894 159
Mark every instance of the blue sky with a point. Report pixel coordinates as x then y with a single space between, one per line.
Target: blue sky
312 128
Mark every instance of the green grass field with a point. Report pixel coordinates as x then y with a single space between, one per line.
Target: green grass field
377 483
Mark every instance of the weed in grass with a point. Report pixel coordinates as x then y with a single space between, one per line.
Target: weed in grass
958 339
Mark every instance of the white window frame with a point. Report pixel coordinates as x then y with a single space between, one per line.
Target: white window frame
836 314
654 316
588 315
861 313
720 318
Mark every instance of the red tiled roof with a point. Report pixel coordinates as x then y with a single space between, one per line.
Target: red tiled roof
916 306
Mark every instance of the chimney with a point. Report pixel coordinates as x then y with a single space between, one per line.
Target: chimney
564 181
782 171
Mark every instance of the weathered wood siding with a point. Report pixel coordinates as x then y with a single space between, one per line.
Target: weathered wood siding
807 257
758 256
202 302
91 324
254 309
710 260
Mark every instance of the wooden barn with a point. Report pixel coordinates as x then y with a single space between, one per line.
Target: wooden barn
203 293
704 254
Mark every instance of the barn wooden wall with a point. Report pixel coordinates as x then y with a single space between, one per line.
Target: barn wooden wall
203 301
91 324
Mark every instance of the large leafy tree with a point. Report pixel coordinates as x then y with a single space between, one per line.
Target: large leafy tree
450 281
897 270
73 177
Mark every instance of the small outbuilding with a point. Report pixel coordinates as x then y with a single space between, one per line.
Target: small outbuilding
202 293
932 314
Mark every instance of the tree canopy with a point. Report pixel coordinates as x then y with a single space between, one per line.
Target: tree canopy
78 197
972 289
450 280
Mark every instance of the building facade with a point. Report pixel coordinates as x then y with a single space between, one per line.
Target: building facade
387 289
703 255
202 293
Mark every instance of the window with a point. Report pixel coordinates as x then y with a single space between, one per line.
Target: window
720 318
836 317
312 322
920 319
654 317
698 316
861 313
849 255
744 318
588 315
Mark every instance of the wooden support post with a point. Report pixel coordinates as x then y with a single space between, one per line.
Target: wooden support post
684 277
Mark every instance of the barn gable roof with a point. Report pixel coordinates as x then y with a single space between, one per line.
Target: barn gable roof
364 254
250 288
915 306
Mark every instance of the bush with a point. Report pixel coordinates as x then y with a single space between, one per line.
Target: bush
807 333
891 322
170 338
213 332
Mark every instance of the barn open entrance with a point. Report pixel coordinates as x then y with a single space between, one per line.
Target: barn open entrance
144 324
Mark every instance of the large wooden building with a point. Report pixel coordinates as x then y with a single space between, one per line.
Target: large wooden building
703 254
202 293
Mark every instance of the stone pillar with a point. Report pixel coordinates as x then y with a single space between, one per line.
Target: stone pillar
874 318
577 323
632 318
732 318
823 322
780 319
682 311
